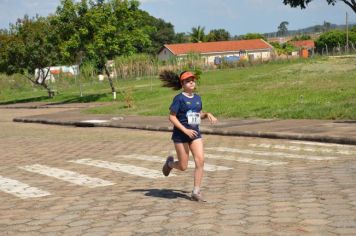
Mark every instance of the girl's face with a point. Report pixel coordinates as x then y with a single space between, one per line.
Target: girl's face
189 84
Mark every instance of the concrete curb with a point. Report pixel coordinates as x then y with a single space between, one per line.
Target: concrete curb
271 135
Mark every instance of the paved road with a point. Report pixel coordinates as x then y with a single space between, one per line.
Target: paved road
62 180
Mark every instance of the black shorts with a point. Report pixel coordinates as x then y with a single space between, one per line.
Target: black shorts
179 137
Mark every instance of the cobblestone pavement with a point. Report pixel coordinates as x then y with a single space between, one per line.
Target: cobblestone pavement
61 180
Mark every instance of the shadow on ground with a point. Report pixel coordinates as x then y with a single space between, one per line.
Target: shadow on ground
26 100
63 100
83 99
346 121
164 193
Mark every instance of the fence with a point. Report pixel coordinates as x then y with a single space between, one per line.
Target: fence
144 65
338 50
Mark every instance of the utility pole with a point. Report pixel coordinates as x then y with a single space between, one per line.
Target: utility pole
347 34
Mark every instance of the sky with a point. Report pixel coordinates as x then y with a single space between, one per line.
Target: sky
236 16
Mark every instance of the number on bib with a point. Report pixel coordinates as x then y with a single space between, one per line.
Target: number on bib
193 118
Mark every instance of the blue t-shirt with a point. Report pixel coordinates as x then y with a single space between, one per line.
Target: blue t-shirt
182 105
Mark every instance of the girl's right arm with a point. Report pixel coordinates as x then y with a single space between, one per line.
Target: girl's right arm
190 132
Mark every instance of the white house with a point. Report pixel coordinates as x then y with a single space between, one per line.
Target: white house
253 49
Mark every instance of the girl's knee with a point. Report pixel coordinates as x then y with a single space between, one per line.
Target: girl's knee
199 165
182 166
199 162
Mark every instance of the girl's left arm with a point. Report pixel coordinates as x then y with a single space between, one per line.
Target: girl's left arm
210 117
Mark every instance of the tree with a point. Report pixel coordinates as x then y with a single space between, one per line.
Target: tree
326 26
303 3
159 31
67 26
181 38
353 29
334 39
218 35
285 48
29 48
197 35
5 40
92 31
100 30
282 28
253 36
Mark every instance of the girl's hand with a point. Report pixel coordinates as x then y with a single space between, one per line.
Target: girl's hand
191 133
211 118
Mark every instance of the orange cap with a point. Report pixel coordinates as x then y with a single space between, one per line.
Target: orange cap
186 75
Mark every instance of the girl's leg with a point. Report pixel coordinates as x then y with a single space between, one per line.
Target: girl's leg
197 150
182 150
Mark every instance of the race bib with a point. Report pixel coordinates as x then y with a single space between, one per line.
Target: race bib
193 118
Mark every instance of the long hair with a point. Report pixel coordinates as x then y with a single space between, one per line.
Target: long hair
170 79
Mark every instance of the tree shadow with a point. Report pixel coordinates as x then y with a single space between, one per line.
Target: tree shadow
346 121
75 99
164 193
25 100
83 99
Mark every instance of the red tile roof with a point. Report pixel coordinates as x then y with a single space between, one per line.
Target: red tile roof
303 44
222 46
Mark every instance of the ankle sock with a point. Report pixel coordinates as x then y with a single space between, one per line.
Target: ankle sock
196 190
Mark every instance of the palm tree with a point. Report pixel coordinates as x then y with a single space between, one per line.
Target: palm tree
197 35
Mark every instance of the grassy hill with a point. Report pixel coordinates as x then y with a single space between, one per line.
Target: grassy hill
323 88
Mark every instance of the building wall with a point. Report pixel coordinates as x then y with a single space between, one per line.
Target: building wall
264 55
165 54
209 58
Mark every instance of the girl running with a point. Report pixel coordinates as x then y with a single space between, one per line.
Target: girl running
186 114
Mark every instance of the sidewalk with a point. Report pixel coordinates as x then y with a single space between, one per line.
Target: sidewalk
342 132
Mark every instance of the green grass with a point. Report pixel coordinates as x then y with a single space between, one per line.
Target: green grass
17 89
303 89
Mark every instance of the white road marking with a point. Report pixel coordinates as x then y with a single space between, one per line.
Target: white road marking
129 169
68 176
299 148
272 154
20 189
160 159
246 160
